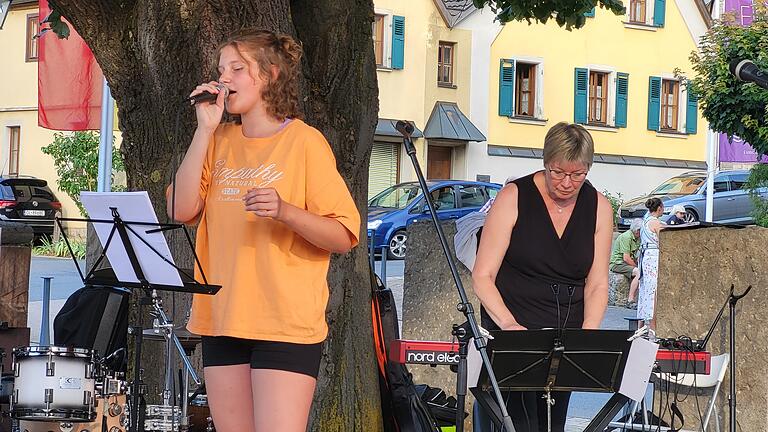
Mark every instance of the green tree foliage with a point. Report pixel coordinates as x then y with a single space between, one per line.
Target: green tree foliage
566 13
729 105
76 158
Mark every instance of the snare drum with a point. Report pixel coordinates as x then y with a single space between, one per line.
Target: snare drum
53 384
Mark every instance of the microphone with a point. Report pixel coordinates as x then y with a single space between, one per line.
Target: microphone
405 128
207 96
746 70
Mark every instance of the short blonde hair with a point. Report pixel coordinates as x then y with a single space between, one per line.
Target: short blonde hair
569 142
677 208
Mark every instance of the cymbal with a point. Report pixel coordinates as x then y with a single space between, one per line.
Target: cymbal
182 333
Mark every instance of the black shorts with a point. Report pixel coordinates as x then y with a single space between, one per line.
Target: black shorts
290 357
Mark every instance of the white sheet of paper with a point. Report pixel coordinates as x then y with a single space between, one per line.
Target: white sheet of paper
474 364
132 207
637 372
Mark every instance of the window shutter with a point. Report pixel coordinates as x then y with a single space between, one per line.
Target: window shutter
691 112
581 93
506 87
654 103
398 41
622 90
659 7
590 14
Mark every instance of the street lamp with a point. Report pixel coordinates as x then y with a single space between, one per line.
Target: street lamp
5 5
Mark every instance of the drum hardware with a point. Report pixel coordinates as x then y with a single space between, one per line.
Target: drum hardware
162 418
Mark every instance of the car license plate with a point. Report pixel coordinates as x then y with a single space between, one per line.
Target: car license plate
34 212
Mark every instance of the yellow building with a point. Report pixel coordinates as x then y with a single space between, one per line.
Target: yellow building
622 77
21 139
423 69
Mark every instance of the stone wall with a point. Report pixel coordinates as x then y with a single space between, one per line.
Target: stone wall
696 270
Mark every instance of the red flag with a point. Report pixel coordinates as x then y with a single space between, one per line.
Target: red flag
69 81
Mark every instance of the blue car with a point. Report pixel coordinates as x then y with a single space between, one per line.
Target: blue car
392 210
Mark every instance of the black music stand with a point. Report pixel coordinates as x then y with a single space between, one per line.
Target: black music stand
553 360
106 277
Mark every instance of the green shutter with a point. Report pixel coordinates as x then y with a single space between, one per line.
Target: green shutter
691 112
622 90
398 41
506 87
654 103
580 94
590 14
659 7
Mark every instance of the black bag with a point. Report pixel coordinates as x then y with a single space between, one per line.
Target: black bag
96 318
402 407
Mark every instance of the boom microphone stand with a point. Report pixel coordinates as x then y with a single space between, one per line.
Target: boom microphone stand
470 328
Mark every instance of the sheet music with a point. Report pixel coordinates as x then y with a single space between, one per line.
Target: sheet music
132 207
637 372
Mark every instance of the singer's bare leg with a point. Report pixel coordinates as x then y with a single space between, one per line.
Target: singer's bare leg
230 397
281 400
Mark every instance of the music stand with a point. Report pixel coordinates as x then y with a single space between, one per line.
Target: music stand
133 236
553 360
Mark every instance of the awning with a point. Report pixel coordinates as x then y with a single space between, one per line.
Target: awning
448 122
386 127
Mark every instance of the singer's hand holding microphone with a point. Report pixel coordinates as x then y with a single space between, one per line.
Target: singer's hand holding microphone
208 99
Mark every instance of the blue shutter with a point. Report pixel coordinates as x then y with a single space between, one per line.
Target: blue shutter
398 41
654 103
622 90
691 112
506 87
658 12
590 14
580 94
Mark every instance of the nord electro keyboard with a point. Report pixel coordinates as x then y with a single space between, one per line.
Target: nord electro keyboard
447 353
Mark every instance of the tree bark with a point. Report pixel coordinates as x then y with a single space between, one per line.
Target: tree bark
154 52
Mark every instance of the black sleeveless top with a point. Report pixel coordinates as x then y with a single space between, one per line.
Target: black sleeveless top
540 270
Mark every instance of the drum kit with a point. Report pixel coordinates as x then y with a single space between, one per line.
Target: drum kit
67 389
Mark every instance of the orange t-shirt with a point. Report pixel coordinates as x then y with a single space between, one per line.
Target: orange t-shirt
274 284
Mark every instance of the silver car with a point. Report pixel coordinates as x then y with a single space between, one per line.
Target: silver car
732 204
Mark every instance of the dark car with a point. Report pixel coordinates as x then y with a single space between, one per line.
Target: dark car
732 203
392 210
28 200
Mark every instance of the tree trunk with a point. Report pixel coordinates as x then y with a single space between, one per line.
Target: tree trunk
154 52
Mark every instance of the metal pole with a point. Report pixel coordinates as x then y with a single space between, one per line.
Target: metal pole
371 250
384 264
45 325
105 140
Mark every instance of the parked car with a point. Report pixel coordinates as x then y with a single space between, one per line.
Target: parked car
28 200
392 210
732 204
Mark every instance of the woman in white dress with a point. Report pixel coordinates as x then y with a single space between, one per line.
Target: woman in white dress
649 261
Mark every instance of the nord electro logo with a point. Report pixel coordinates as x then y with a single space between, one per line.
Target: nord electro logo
432 357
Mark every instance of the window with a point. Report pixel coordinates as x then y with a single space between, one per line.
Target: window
738 181
669 104
445 51
388 34
521 88
637 11
472 196
13 157
598 97
525 90
378 39
33 27
443 198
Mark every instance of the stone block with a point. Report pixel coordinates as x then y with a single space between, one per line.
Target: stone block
618 289
430 298
696 270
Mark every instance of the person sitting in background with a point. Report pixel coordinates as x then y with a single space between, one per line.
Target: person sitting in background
677 215
623 256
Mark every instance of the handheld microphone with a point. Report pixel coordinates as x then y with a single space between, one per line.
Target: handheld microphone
746 70
207 96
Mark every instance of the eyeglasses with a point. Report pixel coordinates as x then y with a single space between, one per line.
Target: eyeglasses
561 175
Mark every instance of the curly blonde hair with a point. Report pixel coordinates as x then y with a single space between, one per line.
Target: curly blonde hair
267 49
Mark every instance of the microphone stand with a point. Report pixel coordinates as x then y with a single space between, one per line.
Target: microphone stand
469 329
